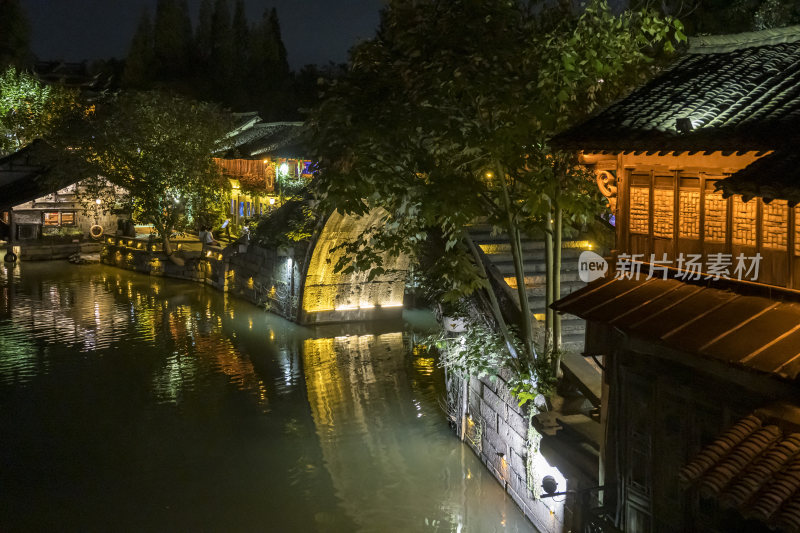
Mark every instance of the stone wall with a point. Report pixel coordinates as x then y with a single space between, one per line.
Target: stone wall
497 429
267 278
40 251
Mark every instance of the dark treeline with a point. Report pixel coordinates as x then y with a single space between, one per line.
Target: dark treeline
712 17
226 58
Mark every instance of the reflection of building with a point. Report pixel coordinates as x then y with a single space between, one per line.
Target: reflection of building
264 165
700 164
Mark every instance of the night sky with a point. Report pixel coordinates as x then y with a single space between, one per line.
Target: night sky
314 31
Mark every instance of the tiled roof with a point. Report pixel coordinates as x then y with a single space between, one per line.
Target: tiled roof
740 92
754 467
752 332
773 176
255 139
24 176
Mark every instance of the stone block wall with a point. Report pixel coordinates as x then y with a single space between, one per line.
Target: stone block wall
497 430
38 251
270 278
154 263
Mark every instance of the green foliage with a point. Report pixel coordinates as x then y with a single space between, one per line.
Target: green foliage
62 234
159 148
15 34
29 109
481 352
444 118
704 17
294 222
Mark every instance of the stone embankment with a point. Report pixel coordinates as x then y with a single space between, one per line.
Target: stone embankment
498 431
268 278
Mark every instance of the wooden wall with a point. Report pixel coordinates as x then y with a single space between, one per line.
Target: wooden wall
668 205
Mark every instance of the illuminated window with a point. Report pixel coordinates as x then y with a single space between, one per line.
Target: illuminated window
640 210
744 222
51 219
775 224
716 215
663 212
68 218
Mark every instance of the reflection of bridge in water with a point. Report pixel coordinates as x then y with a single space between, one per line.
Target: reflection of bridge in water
239 419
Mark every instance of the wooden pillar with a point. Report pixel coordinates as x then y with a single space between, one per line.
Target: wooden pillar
759 225
651 220
702 233
790 244
676 212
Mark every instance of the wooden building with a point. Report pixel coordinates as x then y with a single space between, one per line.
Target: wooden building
35 205
265 165
699 328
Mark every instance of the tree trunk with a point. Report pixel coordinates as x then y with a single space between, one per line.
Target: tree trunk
548 297
495 305
167 249
519 269
557 243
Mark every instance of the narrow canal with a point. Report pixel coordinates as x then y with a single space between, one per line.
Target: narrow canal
134 404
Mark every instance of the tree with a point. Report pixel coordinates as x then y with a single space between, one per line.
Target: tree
14 35
159 148
727 16
202 39
269 67
443 119
221 55
172 39
241 58
29 109
139 64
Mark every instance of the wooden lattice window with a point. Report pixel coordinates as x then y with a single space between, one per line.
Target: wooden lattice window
68 218
689 207
775 225
796 230
716 217
50 218
663 212
640 210
743 219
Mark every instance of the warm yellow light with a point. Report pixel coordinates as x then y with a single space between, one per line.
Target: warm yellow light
272 201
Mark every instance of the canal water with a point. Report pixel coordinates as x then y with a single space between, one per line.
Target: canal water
130 403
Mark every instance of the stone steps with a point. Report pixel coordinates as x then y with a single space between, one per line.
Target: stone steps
497 249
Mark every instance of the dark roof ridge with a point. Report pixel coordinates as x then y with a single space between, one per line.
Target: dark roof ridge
720 44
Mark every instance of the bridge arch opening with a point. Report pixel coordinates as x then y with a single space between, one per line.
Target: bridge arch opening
330 297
